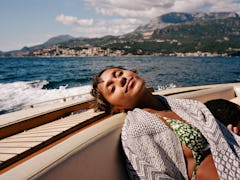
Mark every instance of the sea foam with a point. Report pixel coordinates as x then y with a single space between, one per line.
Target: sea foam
17 95
166 86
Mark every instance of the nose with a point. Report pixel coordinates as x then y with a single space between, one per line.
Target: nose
123 81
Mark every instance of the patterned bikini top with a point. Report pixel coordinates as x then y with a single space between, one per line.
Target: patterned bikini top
191 137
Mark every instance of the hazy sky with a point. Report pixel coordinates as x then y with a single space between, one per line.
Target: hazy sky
32 22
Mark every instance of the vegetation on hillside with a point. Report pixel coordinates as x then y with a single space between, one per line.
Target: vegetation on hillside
216 36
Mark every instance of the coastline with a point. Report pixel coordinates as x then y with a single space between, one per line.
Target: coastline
176 54
56 51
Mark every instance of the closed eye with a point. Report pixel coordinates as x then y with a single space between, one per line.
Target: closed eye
112 89
114 74
119 73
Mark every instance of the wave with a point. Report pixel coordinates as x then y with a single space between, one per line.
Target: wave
15 96
167 86
67 83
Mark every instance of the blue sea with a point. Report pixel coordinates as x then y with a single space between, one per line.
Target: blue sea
32 80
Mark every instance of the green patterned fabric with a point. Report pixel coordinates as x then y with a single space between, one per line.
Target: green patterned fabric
191 137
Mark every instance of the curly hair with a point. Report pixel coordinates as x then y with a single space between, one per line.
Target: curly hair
100 103
225 111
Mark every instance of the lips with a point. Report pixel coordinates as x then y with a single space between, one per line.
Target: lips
129 84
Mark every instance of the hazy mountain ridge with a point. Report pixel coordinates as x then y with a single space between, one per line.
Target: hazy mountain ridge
58 39
172 32
174 18
201 29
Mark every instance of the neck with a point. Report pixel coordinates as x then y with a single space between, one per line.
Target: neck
149 101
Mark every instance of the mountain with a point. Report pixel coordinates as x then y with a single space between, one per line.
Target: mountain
174 18
211 29
48 43
52 41
165 20
57 40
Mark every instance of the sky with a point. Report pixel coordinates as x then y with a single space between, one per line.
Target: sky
33 22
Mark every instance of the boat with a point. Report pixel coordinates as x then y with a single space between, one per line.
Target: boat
68 140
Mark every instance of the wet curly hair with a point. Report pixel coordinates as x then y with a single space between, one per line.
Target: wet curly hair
100 103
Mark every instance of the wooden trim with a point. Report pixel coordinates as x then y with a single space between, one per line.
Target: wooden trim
41 119
40 146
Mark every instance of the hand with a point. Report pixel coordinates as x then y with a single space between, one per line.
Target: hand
233 129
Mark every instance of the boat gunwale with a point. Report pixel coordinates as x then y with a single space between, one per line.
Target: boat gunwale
38 119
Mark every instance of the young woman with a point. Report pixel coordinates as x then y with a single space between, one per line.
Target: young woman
166 138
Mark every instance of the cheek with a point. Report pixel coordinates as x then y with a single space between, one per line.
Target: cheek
116 98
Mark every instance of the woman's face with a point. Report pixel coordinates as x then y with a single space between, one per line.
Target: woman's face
121 88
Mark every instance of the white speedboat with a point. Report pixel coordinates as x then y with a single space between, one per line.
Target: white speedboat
69 141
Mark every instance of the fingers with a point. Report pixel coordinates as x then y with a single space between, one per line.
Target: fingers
230 127
233 129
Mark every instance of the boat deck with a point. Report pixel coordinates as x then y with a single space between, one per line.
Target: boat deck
18 146
26 134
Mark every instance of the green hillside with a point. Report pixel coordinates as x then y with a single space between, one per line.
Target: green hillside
215 36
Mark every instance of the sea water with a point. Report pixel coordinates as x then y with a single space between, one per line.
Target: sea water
32 80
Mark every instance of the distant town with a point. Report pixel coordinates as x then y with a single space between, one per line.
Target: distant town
57 51
91 51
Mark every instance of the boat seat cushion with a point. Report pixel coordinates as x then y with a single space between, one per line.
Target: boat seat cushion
209 94
236 100
237 91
